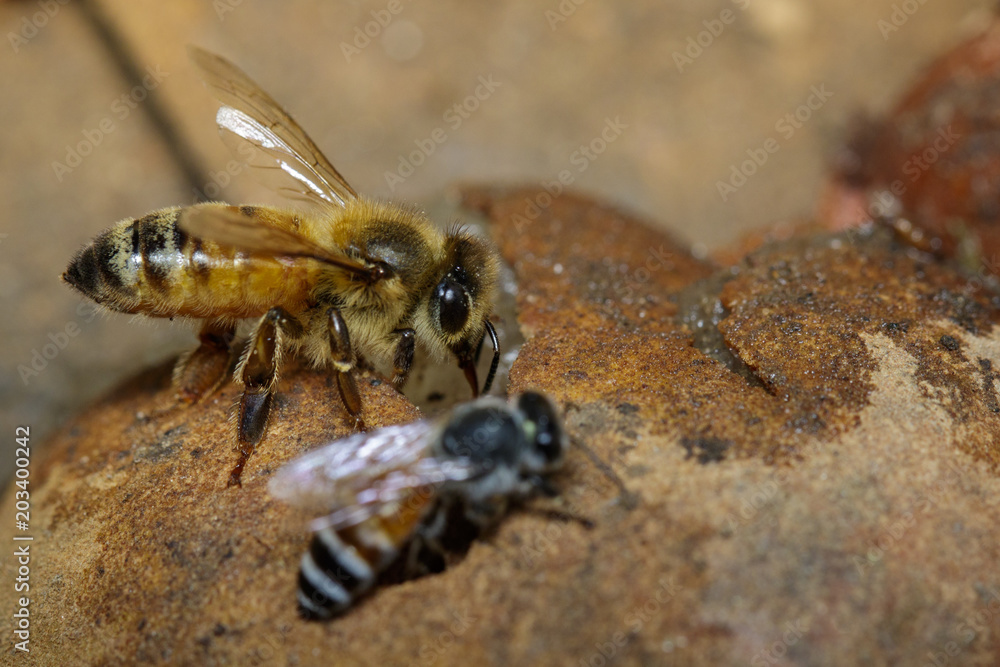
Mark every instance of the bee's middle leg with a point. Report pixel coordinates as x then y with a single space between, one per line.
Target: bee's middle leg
200 372
425 553
343 363
402 360
258 372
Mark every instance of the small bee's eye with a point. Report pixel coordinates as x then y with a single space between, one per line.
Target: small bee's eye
453 305
548 440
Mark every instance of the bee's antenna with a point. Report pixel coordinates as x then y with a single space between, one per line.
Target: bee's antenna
627 498
496 355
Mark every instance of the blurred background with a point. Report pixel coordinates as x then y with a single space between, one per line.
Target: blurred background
648 104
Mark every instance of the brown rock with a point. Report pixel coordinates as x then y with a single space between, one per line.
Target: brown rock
808 440
819 496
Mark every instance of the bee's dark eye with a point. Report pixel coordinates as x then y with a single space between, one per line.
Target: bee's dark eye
453 305
548 439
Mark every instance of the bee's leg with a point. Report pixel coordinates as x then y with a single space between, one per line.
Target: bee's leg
258 372
426 554
486 513
402 360
200 372
343 364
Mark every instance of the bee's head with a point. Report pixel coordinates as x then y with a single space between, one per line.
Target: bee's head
546 440
462 300
485 433
512 446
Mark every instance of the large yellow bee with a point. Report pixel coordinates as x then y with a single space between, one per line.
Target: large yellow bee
347 280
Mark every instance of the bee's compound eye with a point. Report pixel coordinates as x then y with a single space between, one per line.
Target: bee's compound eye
540 412
486 436
453 305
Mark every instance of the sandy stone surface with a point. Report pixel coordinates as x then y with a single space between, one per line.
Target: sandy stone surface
830 501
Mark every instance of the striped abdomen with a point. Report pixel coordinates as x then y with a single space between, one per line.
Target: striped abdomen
341 565
150 266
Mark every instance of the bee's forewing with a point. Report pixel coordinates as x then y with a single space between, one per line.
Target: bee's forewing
262 134
351 479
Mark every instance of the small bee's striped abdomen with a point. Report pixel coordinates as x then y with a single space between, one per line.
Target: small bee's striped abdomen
334 573
340 566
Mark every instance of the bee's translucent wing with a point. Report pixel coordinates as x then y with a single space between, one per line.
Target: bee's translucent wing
350 480
262 134
228 225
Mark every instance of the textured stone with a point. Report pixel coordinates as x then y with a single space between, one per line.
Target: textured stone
817 488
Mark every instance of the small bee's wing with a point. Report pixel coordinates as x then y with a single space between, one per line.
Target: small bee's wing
251 119
227 225
352 479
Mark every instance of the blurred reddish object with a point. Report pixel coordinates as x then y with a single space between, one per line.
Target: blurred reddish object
935 162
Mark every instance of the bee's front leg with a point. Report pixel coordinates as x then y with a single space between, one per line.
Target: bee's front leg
198 373
258 372
343 364
402 360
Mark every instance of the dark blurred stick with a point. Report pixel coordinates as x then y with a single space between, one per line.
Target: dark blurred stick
180 151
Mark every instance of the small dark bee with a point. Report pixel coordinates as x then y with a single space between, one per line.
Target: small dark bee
387 495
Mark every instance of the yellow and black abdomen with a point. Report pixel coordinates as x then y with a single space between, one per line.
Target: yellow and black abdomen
150 266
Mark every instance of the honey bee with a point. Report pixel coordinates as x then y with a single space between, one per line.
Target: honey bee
347 281
387 495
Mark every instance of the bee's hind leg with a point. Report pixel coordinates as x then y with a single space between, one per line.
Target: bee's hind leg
201 371
258 372
343 363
